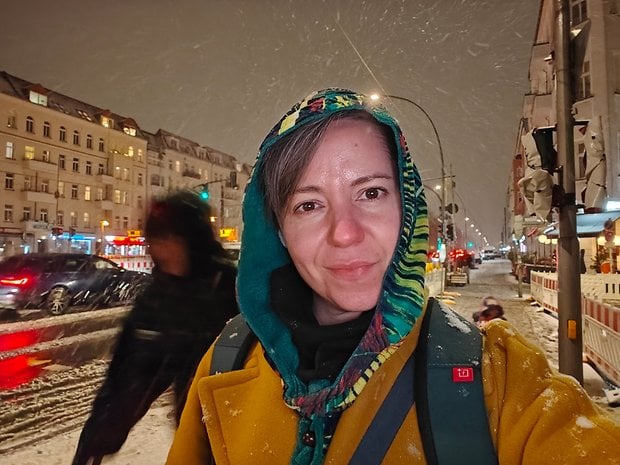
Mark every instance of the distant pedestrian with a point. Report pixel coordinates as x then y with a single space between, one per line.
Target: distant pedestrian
492 312
170 327
582 261
486 301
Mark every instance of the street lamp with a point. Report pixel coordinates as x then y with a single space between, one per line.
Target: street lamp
104 224
378 97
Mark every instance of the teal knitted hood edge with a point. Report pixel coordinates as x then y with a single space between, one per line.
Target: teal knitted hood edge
402 295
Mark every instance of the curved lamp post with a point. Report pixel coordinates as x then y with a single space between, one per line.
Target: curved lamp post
378 97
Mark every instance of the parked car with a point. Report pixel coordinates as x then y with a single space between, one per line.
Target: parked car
57 281
233 249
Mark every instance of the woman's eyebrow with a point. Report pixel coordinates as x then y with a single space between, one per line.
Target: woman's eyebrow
357 182
372 177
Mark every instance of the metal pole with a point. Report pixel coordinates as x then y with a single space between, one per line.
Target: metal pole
221 208
570 341
443 168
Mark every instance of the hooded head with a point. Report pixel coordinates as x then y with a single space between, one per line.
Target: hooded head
401 297
184 215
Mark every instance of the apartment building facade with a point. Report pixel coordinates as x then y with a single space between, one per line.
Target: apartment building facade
595 81
78 177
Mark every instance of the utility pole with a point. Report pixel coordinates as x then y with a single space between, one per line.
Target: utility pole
570 340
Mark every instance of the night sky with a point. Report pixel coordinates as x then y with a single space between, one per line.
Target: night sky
222 72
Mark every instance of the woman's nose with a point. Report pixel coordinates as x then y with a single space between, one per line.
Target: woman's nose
346 227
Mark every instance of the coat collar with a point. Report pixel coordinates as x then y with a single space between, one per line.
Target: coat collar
247 419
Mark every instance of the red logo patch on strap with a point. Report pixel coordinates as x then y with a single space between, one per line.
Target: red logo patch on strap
462 375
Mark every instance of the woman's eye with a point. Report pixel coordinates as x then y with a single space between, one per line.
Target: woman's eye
305 207
372 193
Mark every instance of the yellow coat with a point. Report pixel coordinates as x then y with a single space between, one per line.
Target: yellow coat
536 415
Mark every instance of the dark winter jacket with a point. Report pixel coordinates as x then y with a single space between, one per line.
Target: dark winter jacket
170 327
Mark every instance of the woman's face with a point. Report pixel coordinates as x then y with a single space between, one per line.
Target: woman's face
342 222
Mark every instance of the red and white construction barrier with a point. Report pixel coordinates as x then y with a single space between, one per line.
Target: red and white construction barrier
601 321
142 263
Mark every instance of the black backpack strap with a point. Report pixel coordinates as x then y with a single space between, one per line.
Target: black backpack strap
448 389
232 346
388 419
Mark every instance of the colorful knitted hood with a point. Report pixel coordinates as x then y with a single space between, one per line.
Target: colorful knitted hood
400 302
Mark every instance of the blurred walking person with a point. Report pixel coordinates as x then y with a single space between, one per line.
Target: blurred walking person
170 327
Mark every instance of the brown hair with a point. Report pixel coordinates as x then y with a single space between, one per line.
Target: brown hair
285 161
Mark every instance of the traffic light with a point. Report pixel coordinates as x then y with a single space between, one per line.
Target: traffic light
450 231
204 193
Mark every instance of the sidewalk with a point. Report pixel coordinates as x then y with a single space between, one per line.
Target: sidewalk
494 278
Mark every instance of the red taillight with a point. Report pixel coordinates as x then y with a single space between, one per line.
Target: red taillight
15 281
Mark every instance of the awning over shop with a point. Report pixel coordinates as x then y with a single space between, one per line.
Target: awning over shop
589 224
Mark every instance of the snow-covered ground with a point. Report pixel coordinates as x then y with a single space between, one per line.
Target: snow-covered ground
59 413
147 444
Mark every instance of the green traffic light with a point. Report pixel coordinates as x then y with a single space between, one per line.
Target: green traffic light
204 195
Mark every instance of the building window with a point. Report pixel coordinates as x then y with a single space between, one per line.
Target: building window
129 130
26 214
584 89
177 166
89 141
117 196
578 12
101 145
30 125
11 122
45 186
28 152
139 202
61 188
38 98
27 183
140 180
125 198
99 193
60 217
74 191
86 192
89 167
9 181
62 135
61 162
125 174
45 156
43 215
130 151
125 223
117 222
86 220
9 150
581 152
8 213
76 138
100 169
46 129
140 155
75 166
73 219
